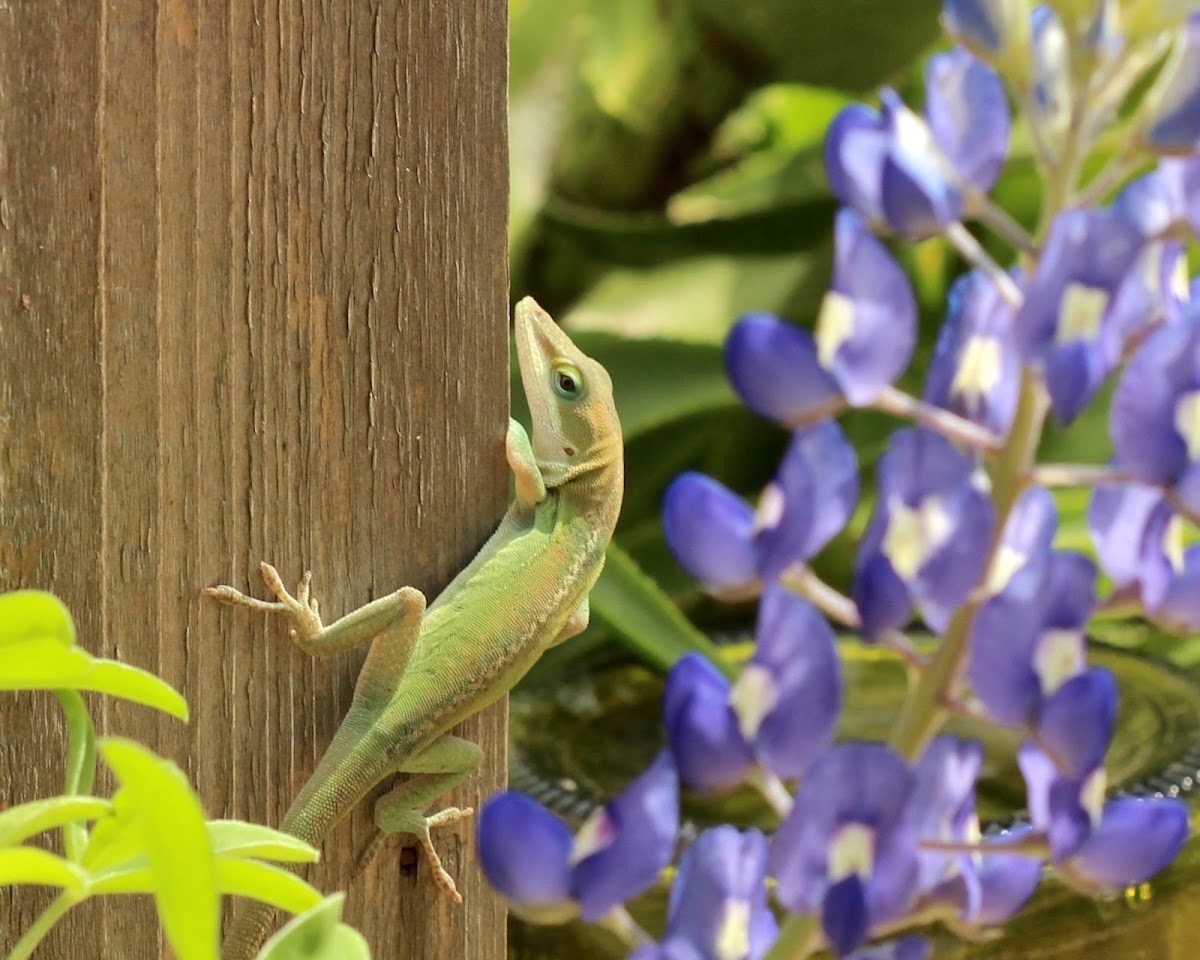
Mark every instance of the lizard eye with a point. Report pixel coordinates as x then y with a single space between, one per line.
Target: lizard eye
568 381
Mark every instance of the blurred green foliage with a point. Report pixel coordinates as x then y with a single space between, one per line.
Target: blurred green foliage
667 177
151 837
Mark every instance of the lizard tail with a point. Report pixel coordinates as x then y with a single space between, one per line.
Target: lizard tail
250 927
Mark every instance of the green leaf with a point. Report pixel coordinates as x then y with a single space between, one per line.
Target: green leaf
644 618
28 865
43 663
168 817
317 935
114 841
27 615
135 684
29 819
266 882
236 838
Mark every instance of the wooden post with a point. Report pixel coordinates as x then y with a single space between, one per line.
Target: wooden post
253 297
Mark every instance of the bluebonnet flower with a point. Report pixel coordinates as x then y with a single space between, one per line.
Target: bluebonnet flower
1050 103
1070 324
1139 540
729 548
911 174
1026 644
718 907
847 852
1155 418
981 889
781 711
530 857
922 546
976 368
1173 105
1018 567
863 340
994 30
1099 847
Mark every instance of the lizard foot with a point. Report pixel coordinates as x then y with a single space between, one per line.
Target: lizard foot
418 825
302 609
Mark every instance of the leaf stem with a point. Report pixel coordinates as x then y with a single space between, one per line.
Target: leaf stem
42 925
1076 475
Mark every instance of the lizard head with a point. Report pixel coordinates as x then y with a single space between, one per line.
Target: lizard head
575 426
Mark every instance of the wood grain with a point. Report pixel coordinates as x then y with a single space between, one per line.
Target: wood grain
253 296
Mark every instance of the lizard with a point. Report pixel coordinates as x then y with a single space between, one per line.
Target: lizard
428 667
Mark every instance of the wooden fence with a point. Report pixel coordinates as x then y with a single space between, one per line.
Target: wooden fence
253 292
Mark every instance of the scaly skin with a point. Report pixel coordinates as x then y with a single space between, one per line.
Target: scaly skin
427 670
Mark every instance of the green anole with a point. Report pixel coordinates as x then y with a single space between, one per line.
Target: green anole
428 668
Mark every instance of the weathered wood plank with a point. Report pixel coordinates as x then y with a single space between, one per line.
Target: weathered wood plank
252 298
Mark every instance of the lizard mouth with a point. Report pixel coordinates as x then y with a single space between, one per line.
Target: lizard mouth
539 341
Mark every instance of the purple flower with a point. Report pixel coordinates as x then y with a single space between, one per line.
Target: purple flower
781 711
976 368
967 113
531 859
847 851
1100 847
1026 643
922 546
718 905
1018 567
1051 82
1139 541
988 28
1173 126
864 337
729 548
1155 419
985 889
1181 190
907 173
1070 324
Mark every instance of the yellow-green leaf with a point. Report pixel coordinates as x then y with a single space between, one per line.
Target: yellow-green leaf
167 816
34 615
41 663
29 819
266 882
28 865
317 935
236 838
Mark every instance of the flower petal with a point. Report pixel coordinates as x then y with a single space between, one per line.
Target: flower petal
645 822
797 647
702 729
524 849
1136 839
773 367
967 112
710 530
1076 723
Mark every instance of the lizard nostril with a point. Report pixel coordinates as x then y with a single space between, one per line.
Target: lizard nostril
569 451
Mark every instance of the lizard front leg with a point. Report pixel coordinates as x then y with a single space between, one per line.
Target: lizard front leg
434 771
528 482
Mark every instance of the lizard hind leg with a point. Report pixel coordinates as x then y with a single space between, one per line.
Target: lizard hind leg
434 771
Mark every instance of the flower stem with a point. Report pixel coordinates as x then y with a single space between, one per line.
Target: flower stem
924 708
619 923
981 208
965 243
771 788
42 925
949 425
800 579
1076 475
